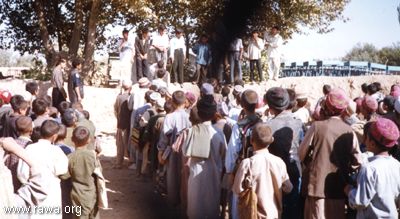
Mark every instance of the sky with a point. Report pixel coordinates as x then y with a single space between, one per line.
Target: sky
370 21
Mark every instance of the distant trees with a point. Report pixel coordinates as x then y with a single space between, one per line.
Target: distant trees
389 55
53 26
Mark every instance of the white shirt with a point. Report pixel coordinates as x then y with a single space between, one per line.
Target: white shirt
176 43
160 40
136 99
236 45
234 113
53 163
254 49
275 44
303 114
126 52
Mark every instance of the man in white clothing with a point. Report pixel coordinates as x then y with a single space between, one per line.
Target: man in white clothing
126 51
177 55
256 45
274 42
161 45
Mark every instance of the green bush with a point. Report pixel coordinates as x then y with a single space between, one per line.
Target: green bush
37 72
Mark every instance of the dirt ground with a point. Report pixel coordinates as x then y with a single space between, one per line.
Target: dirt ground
130 197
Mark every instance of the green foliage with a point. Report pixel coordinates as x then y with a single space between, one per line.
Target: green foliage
363 52
389 55
196 16
37 72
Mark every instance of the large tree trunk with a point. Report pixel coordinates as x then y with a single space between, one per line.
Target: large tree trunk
44 33
77 30
57 24
90 44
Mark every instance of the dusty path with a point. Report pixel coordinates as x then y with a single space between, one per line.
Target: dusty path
130 198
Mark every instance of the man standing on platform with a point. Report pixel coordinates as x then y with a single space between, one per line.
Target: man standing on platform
126 53
273 42
177 55
142 47
235 58
256 45
203 59
161 45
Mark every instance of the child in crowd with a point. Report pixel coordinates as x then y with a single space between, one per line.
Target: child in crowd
33 192
159 81
302 112
377 191
53 161
81 168
66 185
53 114
69 119
265 174
20 108
24 129
173 124
31 91
41 109
62 134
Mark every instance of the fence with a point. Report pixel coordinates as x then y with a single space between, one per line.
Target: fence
336 68
16 72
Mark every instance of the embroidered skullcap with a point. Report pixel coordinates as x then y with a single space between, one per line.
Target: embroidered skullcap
385 131
370 104
337 100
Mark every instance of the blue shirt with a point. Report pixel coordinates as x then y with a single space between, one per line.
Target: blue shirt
378 188
203 54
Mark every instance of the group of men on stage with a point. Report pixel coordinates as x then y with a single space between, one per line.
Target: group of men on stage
159 50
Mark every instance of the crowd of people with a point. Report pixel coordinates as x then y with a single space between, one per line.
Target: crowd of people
228 152
49 155
238 153
137 56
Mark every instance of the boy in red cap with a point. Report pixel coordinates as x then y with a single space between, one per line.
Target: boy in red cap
329 153
369 108
378 183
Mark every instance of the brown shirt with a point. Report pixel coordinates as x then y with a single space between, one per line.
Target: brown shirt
122 111
335 150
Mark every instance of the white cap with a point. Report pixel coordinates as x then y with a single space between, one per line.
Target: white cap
160 104
155 96
301 95
126 83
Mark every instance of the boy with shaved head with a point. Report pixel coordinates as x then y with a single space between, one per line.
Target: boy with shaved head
174 123
24 129
265 174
